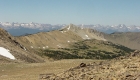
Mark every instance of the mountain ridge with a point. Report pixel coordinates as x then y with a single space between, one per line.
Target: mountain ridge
59 38
56 40
39 27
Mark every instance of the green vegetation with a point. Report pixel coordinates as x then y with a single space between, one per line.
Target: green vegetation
57 54
88 49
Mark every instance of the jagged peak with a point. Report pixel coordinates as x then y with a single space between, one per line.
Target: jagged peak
72 27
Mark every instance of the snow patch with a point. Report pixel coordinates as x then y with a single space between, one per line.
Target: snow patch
129 27
68 27
58 45
87 37
43 47
61 31
32 47
112 26
138 27
24 48
68 41
4 52
47 46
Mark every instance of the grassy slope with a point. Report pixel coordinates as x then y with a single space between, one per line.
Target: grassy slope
88 49
31 71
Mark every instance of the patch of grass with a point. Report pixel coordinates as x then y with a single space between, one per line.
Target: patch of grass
57 54
88 49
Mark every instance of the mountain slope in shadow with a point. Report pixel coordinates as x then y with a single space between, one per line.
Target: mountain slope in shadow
128 39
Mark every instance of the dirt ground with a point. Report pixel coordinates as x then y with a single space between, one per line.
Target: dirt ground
31 71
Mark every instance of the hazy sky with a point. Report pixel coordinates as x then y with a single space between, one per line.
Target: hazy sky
105 12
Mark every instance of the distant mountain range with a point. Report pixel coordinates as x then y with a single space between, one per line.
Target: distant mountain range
17 29
114 28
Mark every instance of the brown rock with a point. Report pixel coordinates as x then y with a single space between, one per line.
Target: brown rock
138 78
82 65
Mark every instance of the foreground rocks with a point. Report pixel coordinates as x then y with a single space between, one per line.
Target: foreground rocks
116 69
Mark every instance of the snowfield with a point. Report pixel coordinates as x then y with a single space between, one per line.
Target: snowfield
4 52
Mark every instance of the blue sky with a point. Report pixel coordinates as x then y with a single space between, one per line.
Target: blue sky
105 12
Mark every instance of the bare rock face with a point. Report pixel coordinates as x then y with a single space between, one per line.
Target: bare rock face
121 69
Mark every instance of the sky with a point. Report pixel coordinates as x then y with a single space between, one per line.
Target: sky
104 12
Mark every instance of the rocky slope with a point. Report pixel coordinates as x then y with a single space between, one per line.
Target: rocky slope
16 49
123 68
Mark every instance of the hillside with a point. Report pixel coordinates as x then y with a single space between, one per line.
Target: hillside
59 38
126 68
53 39
87 49
72 42
128 39
10 47
85 33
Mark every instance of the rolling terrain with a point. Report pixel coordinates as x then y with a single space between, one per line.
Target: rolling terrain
71 33
75 42
72 42
87 49
58 38
70 53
